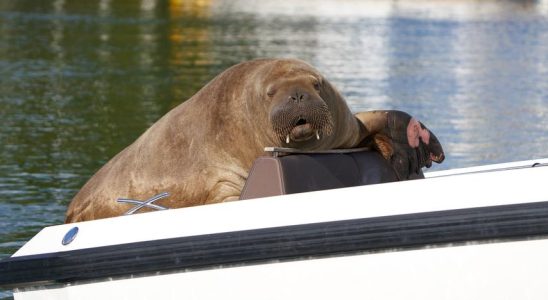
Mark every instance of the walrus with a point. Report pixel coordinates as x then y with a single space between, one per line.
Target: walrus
200 152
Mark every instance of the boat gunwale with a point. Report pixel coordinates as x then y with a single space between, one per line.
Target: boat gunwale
285 243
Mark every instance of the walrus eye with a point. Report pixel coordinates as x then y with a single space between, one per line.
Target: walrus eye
271 92
317 86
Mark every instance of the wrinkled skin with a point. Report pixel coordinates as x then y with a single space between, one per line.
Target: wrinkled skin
404 141
200 152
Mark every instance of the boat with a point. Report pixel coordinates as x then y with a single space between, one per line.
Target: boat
478 232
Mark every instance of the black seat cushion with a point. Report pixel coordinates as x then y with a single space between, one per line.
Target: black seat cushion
297 173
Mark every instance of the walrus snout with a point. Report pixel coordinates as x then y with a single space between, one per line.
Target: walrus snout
301 118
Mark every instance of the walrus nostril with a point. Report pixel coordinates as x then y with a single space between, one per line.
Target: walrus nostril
299 96
302 96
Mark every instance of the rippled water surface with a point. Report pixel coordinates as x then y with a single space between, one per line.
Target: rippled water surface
80 80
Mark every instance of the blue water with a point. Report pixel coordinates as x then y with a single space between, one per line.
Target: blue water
80 80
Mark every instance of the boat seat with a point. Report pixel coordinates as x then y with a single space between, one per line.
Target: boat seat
305 172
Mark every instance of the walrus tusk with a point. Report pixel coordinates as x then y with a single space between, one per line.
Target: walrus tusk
317 135
287 139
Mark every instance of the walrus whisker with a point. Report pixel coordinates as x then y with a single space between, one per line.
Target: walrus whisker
317 116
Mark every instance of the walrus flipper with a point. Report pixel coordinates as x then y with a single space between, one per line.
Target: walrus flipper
401 139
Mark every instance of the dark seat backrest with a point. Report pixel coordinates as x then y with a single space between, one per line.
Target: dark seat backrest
272 176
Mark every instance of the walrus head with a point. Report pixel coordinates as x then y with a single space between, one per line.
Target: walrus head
298 113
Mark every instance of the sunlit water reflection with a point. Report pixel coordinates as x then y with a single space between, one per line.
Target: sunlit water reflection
80 80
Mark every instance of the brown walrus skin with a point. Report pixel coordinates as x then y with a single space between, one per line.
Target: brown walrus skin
200 152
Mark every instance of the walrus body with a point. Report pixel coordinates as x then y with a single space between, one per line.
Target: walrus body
200 152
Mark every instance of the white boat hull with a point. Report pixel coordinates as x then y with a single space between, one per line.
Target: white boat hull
512 270
461 234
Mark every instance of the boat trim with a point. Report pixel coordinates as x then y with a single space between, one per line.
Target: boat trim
304 241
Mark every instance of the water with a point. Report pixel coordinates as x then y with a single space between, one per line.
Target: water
80 80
